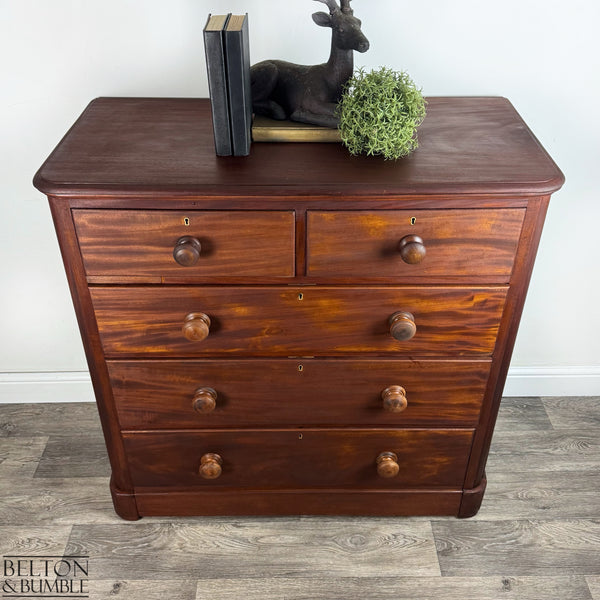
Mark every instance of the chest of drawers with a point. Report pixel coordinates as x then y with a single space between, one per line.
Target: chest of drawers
299 331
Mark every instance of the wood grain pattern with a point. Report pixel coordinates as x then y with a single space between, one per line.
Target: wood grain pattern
466 146
522 414
159 394
395 588
44 419
570 413
297 321
140 243
548 450
348 501
594 585
74 455
271 459
32 540
542 494
459 243
498 547
132 589
19 457
263 548
48 501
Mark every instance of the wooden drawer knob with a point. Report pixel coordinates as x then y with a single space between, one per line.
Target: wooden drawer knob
394 399
402 326
412 249
205 400
187 251
210 466
196 327
387 465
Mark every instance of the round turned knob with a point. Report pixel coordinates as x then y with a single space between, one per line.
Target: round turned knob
387 465
210 466
205 400
412 249
187 251
196 327
394 399
402 326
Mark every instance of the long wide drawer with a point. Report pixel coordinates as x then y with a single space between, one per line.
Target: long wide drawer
299 458
164 394
297 321
436 243
141 243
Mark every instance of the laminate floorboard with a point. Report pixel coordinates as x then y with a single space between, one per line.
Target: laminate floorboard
566 413
594 585
74 455
249 548
518 547
536 536
397 588
31 540
542 495
20 457
534 451
523 414
47 419
56 501
144 590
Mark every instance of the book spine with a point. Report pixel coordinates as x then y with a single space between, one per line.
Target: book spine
237 51
217 84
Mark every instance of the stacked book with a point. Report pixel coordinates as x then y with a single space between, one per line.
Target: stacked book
228 63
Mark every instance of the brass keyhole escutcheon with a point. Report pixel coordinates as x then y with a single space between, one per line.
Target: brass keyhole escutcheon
413 220
300 296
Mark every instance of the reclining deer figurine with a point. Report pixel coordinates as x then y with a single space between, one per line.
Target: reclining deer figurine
309 94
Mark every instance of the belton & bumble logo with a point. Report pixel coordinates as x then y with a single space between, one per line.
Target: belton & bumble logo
45 577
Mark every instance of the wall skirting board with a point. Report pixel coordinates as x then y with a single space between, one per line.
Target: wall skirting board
75 386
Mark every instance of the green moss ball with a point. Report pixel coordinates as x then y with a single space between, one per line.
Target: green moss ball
380 112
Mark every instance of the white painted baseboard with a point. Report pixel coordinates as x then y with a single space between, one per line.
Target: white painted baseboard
76 386
553 381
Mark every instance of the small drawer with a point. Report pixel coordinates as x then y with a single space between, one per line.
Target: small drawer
193 394
190 244
309 458
421 243
288 321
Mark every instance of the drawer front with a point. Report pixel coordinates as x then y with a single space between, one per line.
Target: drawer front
288 321
262 393
299 458
231 243
375 244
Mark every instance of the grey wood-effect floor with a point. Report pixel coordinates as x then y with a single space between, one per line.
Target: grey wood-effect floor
537 535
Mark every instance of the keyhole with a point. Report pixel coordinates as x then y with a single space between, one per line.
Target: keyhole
413 220
300 368
186 221
300 296
299 436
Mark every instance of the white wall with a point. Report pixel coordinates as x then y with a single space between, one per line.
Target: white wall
544 55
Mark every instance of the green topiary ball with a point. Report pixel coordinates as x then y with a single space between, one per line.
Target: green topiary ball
380 112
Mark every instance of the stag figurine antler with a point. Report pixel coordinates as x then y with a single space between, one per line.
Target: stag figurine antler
309 94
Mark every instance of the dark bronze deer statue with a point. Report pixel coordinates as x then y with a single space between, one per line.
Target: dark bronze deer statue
309 94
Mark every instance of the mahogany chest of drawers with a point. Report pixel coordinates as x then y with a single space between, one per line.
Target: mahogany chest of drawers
299 331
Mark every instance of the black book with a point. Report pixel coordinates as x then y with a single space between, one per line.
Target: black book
214 48
237 51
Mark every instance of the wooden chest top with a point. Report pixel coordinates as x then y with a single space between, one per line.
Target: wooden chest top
153 146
